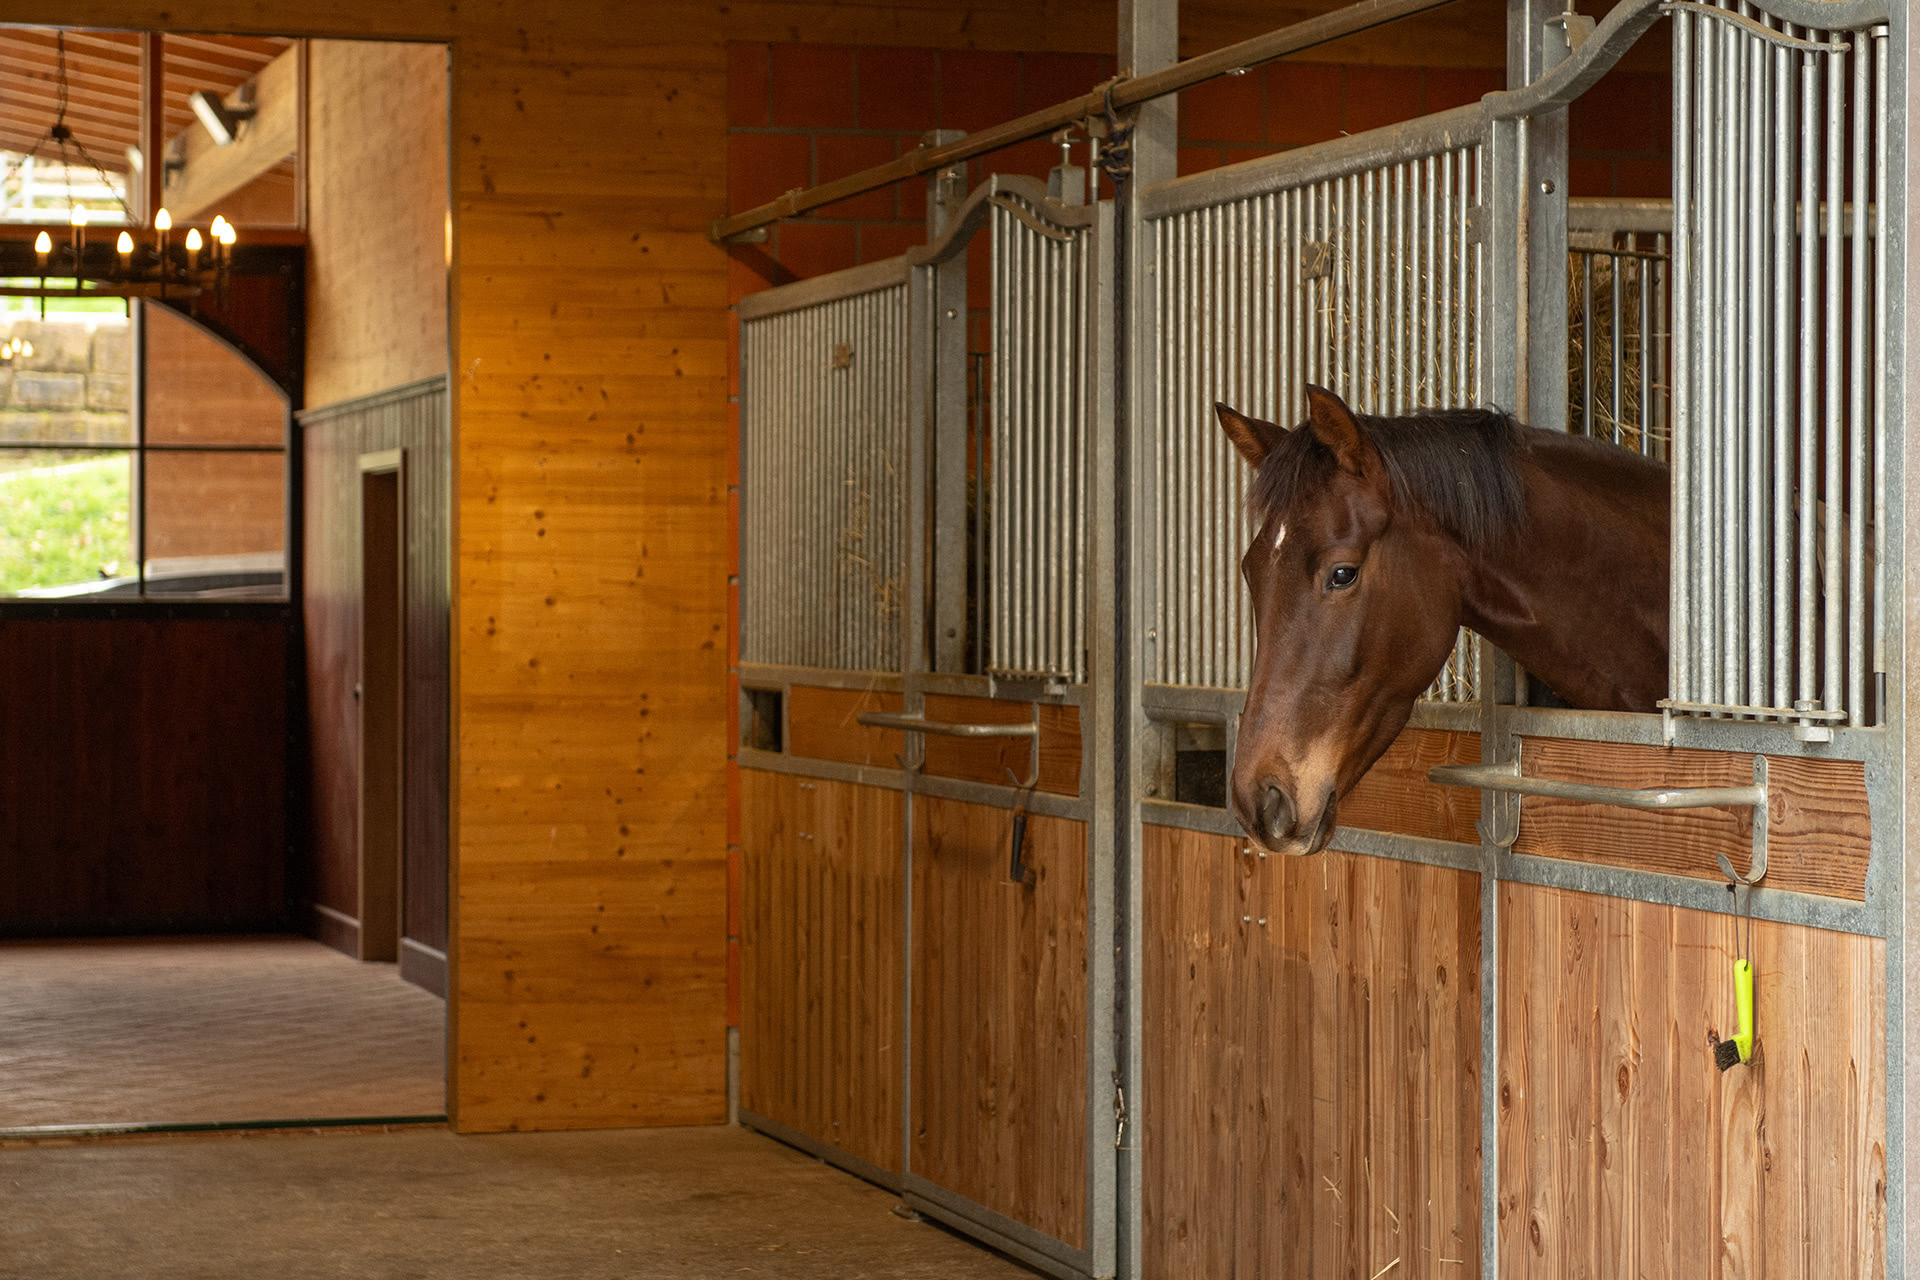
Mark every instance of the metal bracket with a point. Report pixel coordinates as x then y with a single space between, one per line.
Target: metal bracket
908 722
1506 778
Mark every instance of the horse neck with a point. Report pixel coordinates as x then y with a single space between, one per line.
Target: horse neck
1579 596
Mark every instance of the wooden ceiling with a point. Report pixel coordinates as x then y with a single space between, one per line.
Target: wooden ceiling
103 75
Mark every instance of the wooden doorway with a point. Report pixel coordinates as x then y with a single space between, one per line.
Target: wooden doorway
382 731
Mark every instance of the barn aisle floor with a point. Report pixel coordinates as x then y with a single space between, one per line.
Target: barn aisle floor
642 1204
199 1030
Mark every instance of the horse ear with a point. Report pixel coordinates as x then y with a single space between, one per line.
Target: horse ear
1333 425
1252 437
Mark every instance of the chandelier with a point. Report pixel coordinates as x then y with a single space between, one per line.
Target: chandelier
155 264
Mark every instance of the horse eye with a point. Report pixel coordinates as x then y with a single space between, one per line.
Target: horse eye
1343 576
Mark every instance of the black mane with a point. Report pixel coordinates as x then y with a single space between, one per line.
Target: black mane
1457 465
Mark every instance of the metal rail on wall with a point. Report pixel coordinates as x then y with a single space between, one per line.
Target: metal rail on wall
1120 94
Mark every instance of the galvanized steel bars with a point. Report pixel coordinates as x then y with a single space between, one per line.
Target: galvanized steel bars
823 423
1775 389
1037 550
1366 278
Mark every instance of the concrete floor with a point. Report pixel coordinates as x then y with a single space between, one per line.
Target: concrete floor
179 1030
418 1204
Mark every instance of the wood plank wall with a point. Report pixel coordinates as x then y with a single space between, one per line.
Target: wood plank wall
332 440
820 961
376 217
1312 1075
143 772
999 1014
590 350
1624 1152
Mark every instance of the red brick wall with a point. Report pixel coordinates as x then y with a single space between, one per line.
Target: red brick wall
1620 137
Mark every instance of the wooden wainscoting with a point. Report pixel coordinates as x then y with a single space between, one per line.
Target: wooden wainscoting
999 1014
820 961
1395 795
1312 1083
1818 837
1624 1152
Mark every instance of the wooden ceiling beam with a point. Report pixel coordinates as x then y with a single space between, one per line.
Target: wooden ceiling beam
213 173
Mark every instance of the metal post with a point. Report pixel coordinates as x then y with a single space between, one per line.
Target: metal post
1149 40
948 422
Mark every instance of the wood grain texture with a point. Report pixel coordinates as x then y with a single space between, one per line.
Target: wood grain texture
1395 795
213 173
1624 1152
377 217
332 442
821 724
999 1014
820 960
143 774
991 759
1311 1082
1818 833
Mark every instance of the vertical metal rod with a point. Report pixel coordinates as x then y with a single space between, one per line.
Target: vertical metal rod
1643 356
1448 391
1586 344
999 370
1728 418
1833 608
1781 692
1859 323
1806 617
1753 426
1881 237
1618 346
1683 682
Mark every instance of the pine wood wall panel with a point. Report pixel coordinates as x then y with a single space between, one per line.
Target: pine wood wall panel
1311 1082
143 773
823 724
820 964
1818 836
999 1014
1006 760
414 421
377 217
1395 795
1624 1152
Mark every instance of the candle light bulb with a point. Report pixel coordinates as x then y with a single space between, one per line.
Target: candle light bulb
124 245
193 239
163 221
43 245
219 228
79 215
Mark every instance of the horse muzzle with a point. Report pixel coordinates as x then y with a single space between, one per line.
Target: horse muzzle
1271 816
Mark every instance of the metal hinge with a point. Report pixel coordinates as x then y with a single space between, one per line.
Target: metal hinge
1119 1116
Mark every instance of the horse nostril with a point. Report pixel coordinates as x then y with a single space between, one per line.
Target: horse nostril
1276 812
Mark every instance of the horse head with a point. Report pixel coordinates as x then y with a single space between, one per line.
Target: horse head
1357 598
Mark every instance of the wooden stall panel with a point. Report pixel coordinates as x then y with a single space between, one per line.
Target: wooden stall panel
999 1014
1818 831
1311 1082
994 759
1625 1152
820 969
823 724
1396 796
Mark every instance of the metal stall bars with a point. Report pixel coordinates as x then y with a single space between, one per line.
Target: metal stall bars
1358 265
1779 449
1619 328
1035 590
823 430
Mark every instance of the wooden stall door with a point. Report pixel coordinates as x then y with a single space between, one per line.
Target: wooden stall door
1000 1014
1311 1103
820 962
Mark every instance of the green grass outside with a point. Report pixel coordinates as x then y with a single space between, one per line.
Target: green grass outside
64 519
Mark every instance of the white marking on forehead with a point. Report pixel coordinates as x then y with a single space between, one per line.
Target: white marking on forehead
1279 538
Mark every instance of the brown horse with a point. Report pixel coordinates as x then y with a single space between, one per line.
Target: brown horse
1380 537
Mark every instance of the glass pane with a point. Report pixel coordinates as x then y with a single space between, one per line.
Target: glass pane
200 391
65 380
44 181
216 524
66 523
221 65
